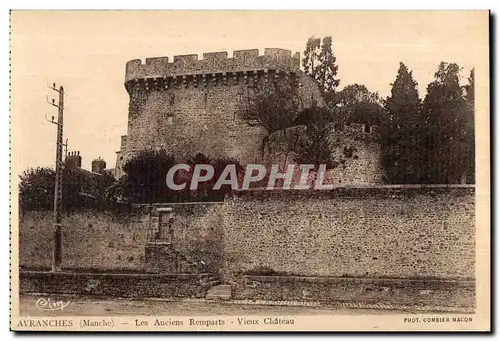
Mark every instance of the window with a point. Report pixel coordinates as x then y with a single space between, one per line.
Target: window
240 94
171 99
170 118
368 129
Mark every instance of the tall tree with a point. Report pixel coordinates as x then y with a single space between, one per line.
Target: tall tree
447 127
401 152
469 89
311 55
320 63
326 70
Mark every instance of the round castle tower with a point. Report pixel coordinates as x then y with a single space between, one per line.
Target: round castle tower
191 106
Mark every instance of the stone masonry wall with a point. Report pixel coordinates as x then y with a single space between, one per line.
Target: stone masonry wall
386 232
102 241
422 292
191 120
190 106
114 285
213 62
196 238
93 240
356 155
362 232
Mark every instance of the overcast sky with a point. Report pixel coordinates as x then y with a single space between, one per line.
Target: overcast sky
86 52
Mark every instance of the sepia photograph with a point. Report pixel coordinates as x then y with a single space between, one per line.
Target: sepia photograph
250 170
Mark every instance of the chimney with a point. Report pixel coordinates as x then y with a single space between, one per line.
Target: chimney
73 160
98 165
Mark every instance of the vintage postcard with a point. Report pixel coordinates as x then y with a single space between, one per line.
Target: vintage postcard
250 171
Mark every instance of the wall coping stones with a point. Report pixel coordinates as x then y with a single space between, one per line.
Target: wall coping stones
344 191
359 280
173 277
356 191
389 191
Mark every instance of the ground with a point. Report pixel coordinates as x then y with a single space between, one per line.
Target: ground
89 306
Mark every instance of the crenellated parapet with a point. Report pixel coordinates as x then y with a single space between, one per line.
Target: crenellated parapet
214 69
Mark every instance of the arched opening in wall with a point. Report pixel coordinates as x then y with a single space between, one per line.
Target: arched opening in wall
368 129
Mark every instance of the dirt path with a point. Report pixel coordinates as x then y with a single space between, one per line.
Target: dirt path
87 306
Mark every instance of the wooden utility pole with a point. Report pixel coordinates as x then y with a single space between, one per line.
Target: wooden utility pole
57 251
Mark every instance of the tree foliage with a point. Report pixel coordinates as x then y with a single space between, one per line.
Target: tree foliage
311 55
402 135
146 173
469 142
433 141
356 104
448 128
36 189
319 62
273 104
315 148
79 190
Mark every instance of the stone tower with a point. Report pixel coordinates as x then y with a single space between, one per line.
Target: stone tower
190 106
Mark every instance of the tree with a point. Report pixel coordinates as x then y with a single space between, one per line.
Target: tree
311 55
315 148
146 175
469 90
448 128
320 63
219 165
469 142
401 146
36 189
206 189
356 104
273 104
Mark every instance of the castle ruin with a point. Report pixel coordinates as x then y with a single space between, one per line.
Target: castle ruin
191 106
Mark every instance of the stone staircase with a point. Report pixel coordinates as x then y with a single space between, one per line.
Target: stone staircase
219 292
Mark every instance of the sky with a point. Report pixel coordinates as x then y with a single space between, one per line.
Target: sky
86 52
